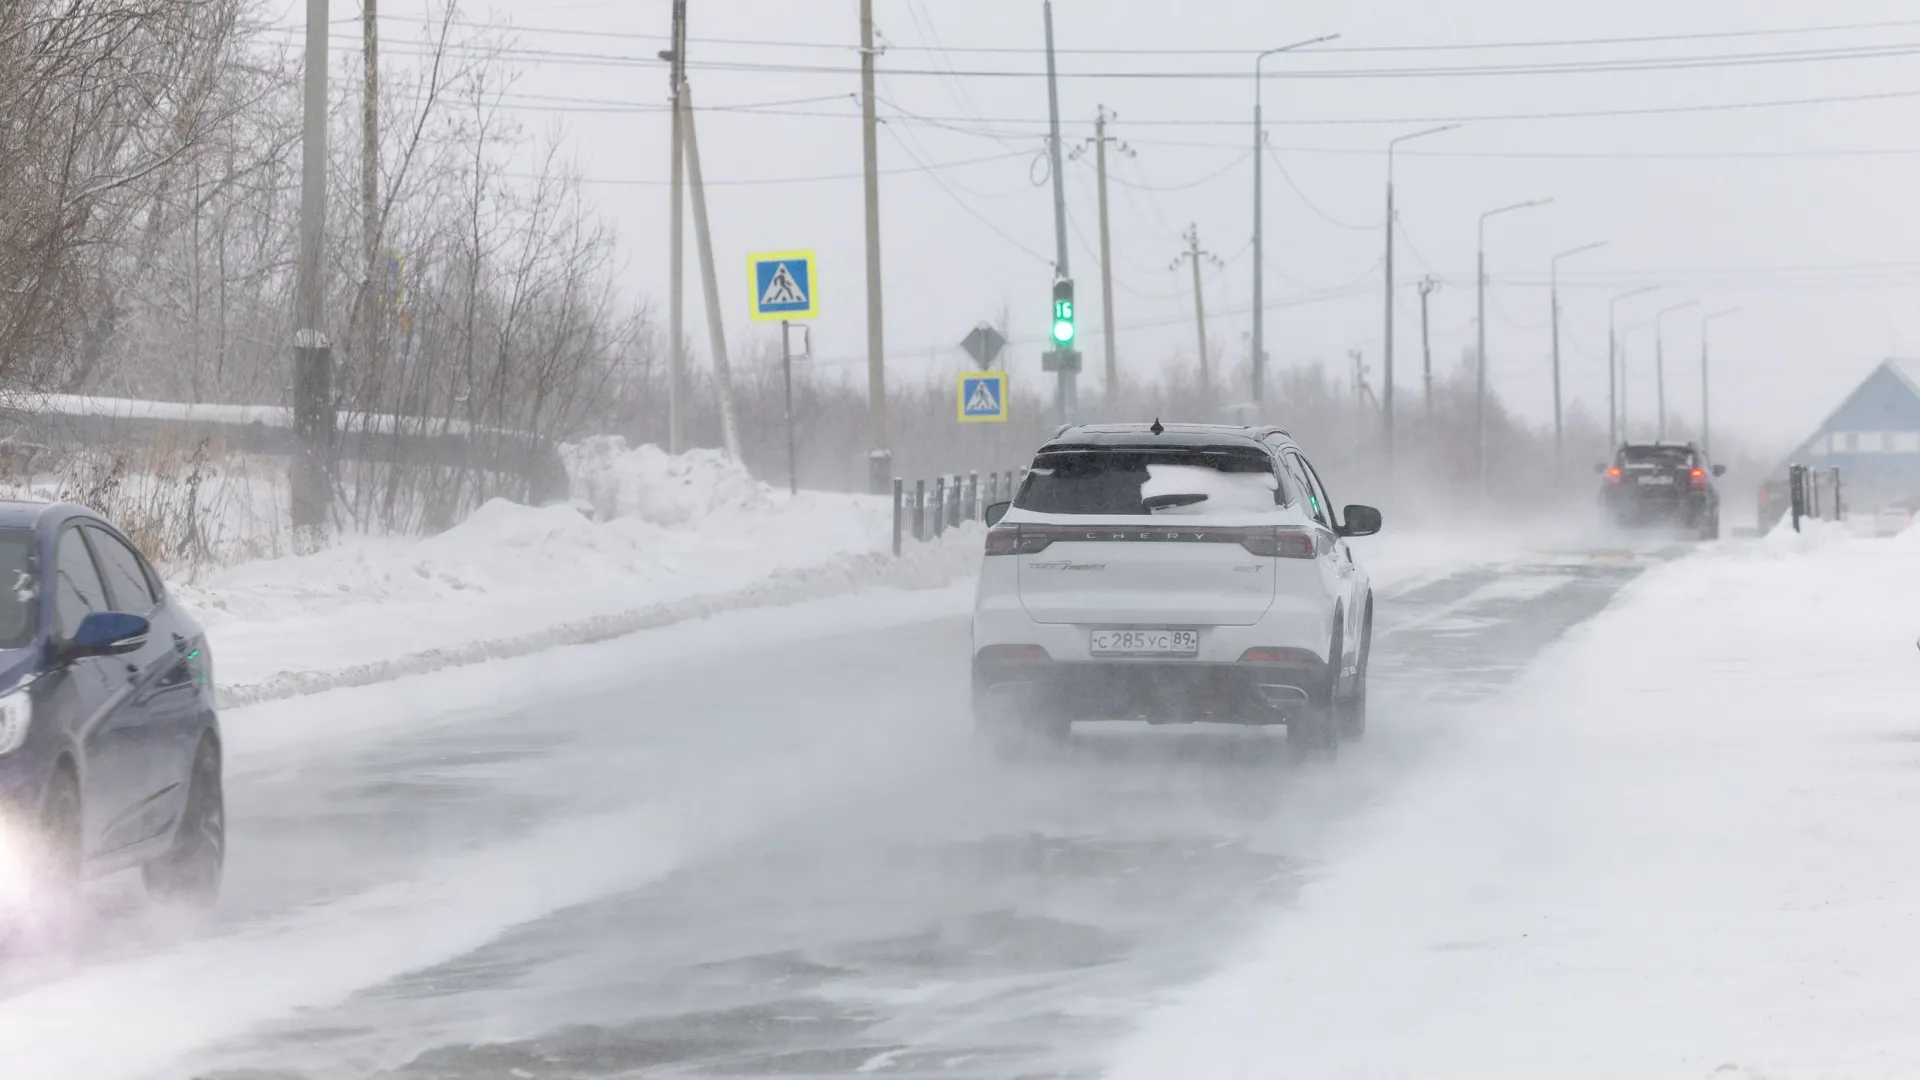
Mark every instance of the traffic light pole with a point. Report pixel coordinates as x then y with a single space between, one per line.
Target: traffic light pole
1064 360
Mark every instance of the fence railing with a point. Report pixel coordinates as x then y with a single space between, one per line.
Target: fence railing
926 509
1814 493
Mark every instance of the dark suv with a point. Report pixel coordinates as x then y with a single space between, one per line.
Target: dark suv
1662 483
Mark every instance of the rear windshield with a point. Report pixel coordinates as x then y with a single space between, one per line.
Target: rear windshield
19 595
1158 483
1656 457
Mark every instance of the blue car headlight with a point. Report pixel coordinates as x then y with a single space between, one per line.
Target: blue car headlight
16 717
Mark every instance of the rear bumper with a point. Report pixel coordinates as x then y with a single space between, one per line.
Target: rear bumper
1650 505
1156 691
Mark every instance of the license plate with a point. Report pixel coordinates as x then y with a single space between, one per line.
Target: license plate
1146 642
1656 480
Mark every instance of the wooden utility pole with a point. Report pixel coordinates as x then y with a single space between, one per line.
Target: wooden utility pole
703 239
1194 255
310 478
879 458
676 241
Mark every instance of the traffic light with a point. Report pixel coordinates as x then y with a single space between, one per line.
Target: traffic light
1063 313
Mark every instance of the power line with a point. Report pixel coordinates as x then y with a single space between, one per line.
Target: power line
1308 200
1575 67
787 180
963 204
1549 43
1207 179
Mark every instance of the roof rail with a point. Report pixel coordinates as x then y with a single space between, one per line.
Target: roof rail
1061 430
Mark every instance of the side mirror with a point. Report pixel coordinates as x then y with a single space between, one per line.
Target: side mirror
108 633
1719 470
1598 469
996 511
1360 521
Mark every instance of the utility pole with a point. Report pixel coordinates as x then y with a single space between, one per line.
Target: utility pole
1480 350
1616 369
1428 285
310 478
1553 265
1194 255
1065 362
1386 357
879 458
1259 231
1100 140
370 158
1660 365
676 241
703 239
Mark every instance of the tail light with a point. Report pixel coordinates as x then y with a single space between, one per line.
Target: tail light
1014 652
1269 654
1613 475
1019 539
1282 542
1697 479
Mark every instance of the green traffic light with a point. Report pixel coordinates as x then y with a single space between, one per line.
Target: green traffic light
1063 321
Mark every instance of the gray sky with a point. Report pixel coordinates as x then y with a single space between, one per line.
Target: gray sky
1780 210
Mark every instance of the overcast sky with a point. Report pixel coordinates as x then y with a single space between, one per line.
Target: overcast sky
1801 215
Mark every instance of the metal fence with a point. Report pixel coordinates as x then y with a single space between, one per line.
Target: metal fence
929 508
1814 493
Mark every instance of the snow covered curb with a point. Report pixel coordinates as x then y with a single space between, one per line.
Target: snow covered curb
921 566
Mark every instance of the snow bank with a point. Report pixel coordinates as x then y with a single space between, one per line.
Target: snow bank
1682 847
655 539
648 483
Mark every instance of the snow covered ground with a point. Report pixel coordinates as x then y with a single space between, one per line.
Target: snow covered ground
649 540
1681 847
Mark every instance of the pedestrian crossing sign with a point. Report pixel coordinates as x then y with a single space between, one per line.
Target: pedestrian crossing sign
983 397
782 283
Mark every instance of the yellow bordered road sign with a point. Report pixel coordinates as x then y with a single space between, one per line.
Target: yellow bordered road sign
783 286
981 397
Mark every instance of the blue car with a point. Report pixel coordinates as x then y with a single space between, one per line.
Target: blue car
109 743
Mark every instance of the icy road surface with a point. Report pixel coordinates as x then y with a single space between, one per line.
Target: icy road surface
764 846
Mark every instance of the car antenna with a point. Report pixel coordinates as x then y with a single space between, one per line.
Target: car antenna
1157 429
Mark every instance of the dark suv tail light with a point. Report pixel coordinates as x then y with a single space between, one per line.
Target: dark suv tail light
1282 542
1697 479
1613 475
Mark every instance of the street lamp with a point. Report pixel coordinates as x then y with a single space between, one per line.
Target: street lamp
1386 407
1259 198
1554 274
1660 366
1614 377
1480 393
1704 414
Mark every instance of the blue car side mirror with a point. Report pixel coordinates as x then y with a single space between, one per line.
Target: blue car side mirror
108 633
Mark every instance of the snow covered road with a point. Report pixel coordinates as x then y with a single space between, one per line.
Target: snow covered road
761 844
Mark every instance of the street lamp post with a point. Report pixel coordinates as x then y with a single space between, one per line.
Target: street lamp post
1386 406
1705 414
1259 199
1660 366
1614 376
1554 274
1480 319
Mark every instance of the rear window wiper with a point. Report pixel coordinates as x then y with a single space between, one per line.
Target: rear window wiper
1167 502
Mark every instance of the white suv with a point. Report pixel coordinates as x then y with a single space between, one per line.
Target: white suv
1172 574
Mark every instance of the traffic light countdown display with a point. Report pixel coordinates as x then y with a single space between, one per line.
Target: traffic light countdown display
1063 314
